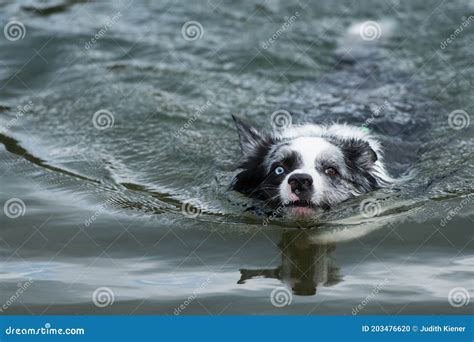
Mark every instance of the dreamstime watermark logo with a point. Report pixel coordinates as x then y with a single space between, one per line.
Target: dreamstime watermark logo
14 208
453 212
42 331
275 214
102 297
369 298
103 119
458 296
458 119
281 119
192 297
192 30
376 112
22 287
370 30
100 210
108 24
14 30
465 23
370 208
191 208
281 297
281 30
21 110
197 115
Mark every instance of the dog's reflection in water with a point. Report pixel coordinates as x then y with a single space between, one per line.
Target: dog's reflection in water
304 265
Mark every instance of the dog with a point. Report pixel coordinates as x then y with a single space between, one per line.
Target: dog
303 169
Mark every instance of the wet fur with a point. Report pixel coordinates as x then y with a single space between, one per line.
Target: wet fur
310 149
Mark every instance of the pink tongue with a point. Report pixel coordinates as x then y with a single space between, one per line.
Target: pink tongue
302 211
291 195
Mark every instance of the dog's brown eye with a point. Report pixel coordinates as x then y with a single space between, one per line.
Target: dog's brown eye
330 171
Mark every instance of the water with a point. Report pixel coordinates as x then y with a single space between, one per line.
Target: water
137 219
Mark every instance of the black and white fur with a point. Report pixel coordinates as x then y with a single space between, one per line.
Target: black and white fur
303 168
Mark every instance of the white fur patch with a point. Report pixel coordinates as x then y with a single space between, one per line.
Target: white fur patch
310 149
311 144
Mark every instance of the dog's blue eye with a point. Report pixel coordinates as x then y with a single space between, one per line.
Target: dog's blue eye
279 170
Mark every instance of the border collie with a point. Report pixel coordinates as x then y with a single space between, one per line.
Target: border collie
302 168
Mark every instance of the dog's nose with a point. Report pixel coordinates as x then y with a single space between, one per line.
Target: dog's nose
300 182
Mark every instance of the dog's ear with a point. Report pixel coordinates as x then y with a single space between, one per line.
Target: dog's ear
360 159
358 154
249 136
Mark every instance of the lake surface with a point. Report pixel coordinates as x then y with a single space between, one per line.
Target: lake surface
117 147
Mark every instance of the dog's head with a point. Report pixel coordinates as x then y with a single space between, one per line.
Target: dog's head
307 167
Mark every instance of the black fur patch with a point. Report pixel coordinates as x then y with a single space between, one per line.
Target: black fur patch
253 173
359 158
254 180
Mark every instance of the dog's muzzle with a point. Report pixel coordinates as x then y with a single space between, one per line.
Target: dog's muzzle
301 185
